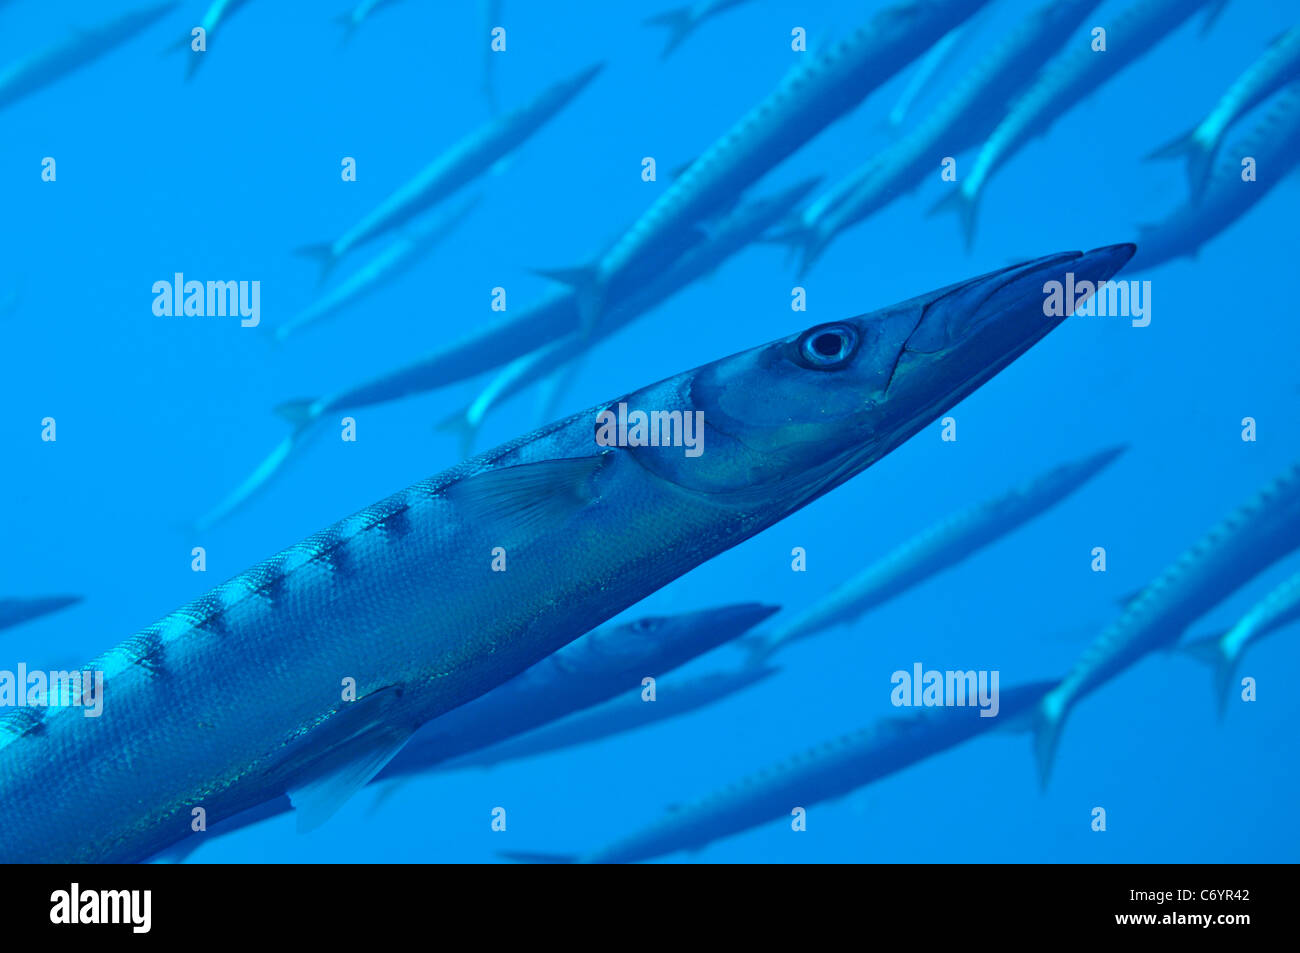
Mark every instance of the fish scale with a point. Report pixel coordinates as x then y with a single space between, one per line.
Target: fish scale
422 624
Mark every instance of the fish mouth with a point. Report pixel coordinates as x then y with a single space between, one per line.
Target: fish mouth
980 326
743 616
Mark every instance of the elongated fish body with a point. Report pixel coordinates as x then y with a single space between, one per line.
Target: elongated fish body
17 611
960 121
681 22
940 547
584 673
1277 67
557 316
1275 145
674 697
1279 609
389 264
35 72
742 227
829 771
809 99
1074 76
924 74
465 161
305 674
1243 545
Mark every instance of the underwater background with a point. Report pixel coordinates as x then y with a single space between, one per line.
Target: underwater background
225 175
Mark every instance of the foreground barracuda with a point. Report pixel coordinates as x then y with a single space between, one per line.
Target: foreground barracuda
674 697
938 548
1279 65
1278 609
80 49
1247 542
810 98
235 699
1078 73
584 673
17 611
555 318
829 771
463 162
1274 142
960 121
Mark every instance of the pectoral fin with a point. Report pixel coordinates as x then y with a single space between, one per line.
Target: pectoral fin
532 497
338 758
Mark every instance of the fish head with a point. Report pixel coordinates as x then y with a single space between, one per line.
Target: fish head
673 639
790 420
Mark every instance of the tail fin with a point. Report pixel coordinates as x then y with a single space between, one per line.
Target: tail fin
585 282
1199 156
966 208
300 413
536 857
323 254
1210 651
1048 720
464 428
679 24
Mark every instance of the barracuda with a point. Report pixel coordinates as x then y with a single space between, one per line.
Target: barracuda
52 64
17 611
1075 75
828 771
960 121
1244 544
1279 66
1274 142
389 264
674 697
809 99
550 331
214 20
683 21
938 548
463 162
1279 609
235 699
582 674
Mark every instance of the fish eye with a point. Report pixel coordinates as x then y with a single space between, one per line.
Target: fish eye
827 347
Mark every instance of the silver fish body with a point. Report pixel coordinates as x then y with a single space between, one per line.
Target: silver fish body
307 673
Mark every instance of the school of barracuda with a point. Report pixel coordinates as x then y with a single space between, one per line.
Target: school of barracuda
454 666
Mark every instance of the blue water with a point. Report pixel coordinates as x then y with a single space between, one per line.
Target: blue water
222 177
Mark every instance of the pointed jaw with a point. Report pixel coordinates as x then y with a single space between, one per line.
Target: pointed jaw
969 332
